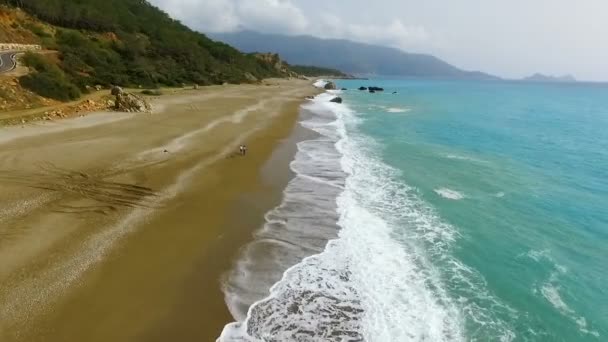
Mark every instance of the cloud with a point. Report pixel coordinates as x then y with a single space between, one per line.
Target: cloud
232 15
394 34
204 15
271 16
285 17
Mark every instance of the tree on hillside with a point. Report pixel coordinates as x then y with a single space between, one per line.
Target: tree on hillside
131 42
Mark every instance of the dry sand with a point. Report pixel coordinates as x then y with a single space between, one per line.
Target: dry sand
118 227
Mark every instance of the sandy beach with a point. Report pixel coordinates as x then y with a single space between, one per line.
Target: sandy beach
119 227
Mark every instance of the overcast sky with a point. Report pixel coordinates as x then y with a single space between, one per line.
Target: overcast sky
509 38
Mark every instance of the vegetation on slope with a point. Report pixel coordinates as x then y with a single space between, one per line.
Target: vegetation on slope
128 43
48 80
314 71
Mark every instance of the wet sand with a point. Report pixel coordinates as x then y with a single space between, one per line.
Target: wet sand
118 227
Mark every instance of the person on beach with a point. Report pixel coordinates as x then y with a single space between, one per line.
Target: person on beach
243 150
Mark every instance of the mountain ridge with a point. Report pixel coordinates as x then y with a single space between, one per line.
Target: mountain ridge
347 56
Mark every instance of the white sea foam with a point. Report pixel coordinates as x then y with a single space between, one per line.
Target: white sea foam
463 157
386 275
389 109
320 83
449 194
551 290
397 110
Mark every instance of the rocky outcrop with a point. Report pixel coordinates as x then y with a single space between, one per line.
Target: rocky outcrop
336 100
362 88
330 86
250 77
375 89
277 63
116 90
127 102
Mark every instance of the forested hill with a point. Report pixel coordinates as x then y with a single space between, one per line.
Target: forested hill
131 42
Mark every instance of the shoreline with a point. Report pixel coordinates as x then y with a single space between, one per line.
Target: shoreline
155 261
244 217
278 174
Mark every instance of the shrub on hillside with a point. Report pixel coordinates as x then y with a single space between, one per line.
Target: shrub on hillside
47 79
37 30
313 71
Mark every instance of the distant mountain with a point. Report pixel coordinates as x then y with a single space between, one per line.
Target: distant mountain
546 78
347 56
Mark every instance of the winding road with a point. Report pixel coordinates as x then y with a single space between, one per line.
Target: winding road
7 61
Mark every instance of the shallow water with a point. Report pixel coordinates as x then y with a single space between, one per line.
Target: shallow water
464 210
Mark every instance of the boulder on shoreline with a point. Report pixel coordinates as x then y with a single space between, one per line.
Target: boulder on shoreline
116 91
127 102
336 100
330 86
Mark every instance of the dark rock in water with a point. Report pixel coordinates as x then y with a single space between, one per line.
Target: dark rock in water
336 100
372 91
344 89
330 86
362 88
394 92
376 88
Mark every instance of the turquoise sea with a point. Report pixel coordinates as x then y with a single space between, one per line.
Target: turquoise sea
465 211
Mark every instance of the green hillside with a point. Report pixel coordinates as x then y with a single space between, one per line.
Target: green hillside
131 43
314 71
